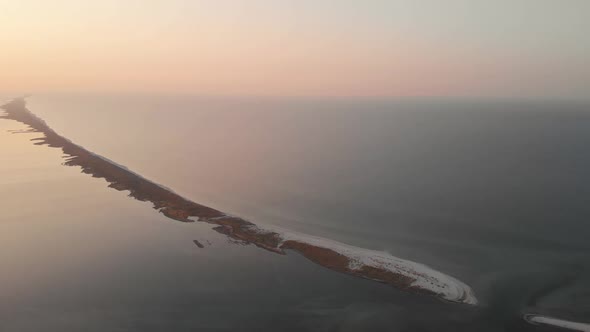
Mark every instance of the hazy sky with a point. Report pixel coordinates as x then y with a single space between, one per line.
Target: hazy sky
299 47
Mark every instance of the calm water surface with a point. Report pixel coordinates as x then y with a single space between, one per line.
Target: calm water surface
493 193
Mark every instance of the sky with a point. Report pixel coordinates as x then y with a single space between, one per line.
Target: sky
394 48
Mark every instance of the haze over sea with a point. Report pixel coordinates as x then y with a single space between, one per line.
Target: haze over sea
492 192
309 165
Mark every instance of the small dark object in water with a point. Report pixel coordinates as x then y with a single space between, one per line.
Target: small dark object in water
198 244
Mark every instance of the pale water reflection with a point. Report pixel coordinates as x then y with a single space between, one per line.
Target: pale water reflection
473 195
77 255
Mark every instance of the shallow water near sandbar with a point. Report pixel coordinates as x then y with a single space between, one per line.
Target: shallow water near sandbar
494 198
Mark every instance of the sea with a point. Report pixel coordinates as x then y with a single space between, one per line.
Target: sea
493 192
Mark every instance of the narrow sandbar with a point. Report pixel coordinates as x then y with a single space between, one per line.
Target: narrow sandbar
369 264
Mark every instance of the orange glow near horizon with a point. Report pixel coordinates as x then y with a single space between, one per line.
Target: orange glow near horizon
247 48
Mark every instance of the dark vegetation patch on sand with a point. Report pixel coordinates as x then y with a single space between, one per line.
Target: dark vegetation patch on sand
181 209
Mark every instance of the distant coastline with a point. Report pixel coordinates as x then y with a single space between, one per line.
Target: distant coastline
369 264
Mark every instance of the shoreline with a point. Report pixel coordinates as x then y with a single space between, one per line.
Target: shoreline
535 319
374 265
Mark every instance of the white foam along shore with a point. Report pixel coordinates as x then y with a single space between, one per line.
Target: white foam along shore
561 323
424 277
